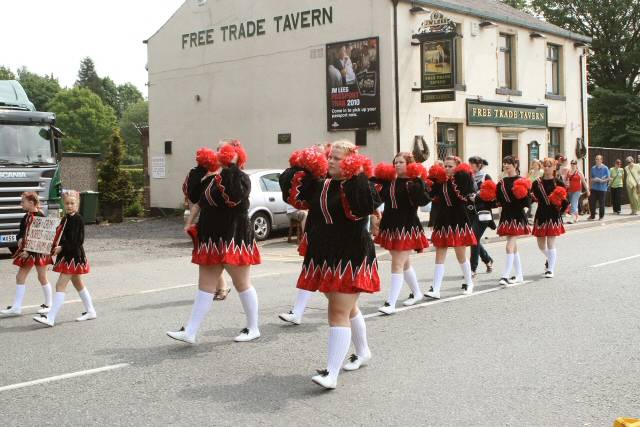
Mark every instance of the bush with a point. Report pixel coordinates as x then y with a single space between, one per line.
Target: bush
136 175
114 183
135 208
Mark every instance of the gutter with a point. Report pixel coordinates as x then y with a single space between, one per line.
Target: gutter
396 77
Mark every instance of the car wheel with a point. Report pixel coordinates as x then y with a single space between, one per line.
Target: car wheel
261 226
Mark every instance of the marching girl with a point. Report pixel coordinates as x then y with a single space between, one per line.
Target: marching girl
402 190
223 240
480 223
551 195
452 186
513 196
71 262
25 261
340 259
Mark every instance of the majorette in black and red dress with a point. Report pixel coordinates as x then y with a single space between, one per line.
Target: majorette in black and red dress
223 234
72 259
400 227
551 195
452 224
340 255
33 259
513 219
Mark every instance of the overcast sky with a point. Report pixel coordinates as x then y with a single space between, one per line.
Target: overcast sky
52 36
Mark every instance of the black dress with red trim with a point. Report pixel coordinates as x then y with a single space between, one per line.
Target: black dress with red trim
513 219
224 234
400 227
192 185
452 224
33 259
548 219
340 255
71 259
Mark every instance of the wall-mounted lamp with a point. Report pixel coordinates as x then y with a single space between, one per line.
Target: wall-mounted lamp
197 98
535 35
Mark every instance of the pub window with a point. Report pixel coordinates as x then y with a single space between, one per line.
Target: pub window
506 75
553 69
447 140
555 142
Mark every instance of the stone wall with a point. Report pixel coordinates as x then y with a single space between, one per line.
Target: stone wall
80 171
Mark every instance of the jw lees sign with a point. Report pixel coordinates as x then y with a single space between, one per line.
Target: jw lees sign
481 113
258 27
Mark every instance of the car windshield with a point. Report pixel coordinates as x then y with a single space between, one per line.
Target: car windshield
25 144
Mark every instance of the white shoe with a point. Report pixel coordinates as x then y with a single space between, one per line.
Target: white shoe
181 335
43 319
323 380
247 335
356 362
516 280
467 289
548 274
10 312
505 281
290 318
387 309
87 316
44 309
432 294
413 300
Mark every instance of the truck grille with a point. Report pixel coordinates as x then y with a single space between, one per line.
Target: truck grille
10 193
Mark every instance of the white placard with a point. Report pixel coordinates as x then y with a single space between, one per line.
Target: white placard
158 167
41 234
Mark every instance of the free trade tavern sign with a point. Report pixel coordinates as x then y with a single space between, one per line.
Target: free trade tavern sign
506 114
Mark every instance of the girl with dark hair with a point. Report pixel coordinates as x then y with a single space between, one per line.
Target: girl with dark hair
481 217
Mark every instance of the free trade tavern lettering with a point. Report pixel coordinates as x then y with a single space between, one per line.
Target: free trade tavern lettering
506 114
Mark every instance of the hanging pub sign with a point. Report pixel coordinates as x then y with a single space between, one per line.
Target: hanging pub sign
437 36
353 85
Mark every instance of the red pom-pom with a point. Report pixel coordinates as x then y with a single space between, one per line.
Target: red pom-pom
488 191
367 167
428 183
352 165
310 159
437 174
207 158
294 158
521 188
464 167
416 170
557 196
226 154
385 172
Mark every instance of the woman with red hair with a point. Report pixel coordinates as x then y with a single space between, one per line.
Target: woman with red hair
340 258
551 195
402 190
453 189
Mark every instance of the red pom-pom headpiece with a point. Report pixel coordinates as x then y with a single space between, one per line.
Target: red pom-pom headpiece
229 151
207 158
385 172
464 167
488 191
416 170
437 174
311 159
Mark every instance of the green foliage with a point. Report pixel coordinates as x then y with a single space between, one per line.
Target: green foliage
128 95
136 207
136 174
85 120
136 115
40 89
6 73
614 119
88 77
113 182
518 4
109 94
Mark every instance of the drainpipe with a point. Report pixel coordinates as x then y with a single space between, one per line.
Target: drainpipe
395 66
582 121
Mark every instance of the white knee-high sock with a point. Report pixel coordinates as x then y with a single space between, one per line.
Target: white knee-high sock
553 257
201 306
17 300
58 300
46 290
438 275
518 267
249 299
85 296
302 298
397 280
412 281
508 265
339 341
359 335
466 271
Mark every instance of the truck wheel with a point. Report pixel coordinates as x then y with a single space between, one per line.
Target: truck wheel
261 226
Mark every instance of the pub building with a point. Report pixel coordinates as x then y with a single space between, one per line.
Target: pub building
464 77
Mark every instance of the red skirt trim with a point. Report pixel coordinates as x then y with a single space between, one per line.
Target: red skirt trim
453 237
211 253
513 228
343 280
38 260
548 229
71 267
403 240
303 245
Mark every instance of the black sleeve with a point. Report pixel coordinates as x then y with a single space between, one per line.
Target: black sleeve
73 234
193 185
297 187
417 191
230 187
361 197
23 227
464 184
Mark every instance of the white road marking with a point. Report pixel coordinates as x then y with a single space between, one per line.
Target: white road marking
615 261
64 376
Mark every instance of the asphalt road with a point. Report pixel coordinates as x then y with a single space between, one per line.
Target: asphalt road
551 352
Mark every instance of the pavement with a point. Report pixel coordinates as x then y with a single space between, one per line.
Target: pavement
550 352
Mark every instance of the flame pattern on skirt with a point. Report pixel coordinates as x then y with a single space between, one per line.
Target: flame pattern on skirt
549 228
71 267
403 239
513 227
220 252
325 278
450 237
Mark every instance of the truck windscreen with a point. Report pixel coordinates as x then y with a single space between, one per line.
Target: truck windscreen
25 144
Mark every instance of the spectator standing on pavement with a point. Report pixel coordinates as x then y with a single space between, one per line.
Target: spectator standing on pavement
482 217
402 190
632 182
535 172
617 183
599 183
561 167
576 183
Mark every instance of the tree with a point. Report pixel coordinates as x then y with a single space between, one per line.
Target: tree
85 120
128 95
614 119
40 89
518 4
114 183
109 94
6 73
88 77
136 115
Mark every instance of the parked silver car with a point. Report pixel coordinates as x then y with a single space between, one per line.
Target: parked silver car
267 210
